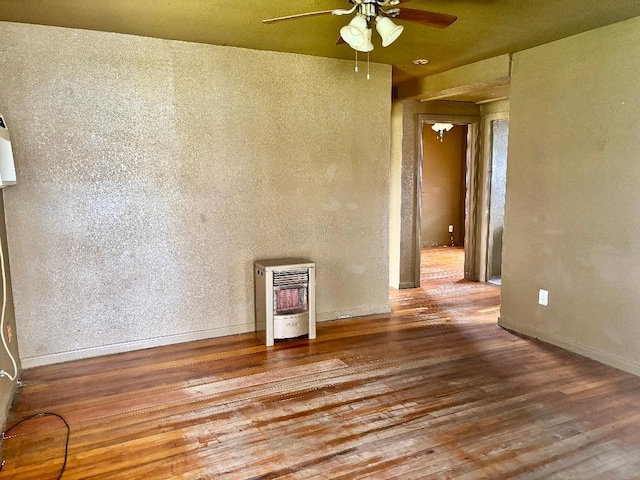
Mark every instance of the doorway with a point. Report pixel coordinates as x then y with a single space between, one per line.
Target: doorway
406 207
464 197
499 140
444 186
444 192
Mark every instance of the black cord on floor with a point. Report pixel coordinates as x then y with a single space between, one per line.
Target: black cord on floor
45 414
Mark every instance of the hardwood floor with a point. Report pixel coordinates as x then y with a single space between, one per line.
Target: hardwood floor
433 390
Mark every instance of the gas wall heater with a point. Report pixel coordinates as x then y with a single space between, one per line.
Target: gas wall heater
7 168
285 299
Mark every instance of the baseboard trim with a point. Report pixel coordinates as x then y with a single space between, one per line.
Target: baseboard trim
574 347
353 312
404 285
37 361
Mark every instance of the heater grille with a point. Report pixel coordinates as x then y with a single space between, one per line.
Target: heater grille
285 278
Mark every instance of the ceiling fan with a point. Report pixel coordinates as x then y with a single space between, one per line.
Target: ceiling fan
379 12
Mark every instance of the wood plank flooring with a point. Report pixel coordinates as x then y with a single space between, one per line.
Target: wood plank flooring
434 390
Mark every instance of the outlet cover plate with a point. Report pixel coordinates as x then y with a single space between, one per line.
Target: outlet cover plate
543 297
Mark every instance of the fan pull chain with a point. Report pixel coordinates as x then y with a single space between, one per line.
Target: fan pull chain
368 75
356 61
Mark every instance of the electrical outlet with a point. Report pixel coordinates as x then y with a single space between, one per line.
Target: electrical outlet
450 228
543 297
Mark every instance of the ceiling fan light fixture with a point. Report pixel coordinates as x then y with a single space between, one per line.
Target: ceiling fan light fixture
354 33
388 30
440 128
367 45
357 34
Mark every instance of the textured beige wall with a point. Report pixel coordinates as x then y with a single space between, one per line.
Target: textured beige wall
152 174
395 194
7 386
491 108
573 195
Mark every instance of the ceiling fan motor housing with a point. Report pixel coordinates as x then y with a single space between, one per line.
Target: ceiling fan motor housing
369 9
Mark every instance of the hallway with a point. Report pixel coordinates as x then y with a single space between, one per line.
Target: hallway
442 284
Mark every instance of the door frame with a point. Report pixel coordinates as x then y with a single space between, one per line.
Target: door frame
473 182
485 239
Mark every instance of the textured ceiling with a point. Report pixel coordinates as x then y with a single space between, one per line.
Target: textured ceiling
485 28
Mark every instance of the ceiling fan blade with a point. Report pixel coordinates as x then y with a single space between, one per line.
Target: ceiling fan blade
340 41
430 19
299 15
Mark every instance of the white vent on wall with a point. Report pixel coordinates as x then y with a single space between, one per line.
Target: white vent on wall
7 167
